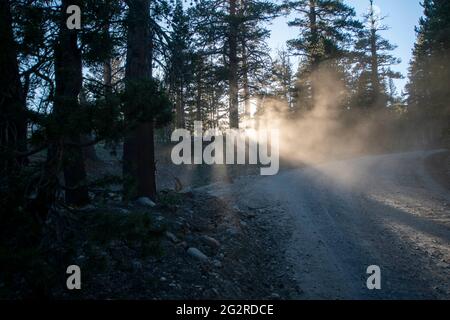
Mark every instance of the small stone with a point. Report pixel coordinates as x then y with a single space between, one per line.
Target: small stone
137 265
163 279
185 190
172 237
194 252
145 201
88 207
232 231
251 215
183 244
236 208
275 296
217 264
210 241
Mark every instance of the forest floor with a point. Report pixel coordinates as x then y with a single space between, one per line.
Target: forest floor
194 247
190 245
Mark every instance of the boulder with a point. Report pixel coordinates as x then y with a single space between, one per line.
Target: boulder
210 241
172 237
194 252
146 202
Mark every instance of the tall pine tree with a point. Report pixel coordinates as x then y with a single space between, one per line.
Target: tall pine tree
429 75
325 28
373 62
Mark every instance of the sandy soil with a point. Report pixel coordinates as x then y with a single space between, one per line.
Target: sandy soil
334 220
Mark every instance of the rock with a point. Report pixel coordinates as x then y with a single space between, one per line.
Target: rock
162 279
216 263
251 215
210 241
275 296
194 252
183 244
144 201
232 231
137 265
243 223
87 208
172 237
187 190
237 209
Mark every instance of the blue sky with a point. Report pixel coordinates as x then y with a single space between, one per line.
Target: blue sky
402 17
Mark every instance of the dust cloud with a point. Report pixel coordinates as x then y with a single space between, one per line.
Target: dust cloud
330 129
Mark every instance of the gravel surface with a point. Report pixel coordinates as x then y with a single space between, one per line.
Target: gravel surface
334 220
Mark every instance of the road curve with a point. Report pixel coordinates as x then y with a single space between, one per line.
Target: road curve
347 215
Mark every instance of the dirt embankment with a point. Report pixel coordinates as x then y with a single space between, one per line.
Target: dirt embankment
189 246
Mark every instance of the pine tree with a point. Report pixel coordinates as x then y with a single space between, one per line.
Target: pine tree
282 79
232 39
231 33
13 118
179 61
253 35
373 62
429 75
325 29
138 148
68 83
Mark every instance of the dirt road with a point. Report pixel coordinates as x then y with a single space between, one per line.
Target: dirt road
345 216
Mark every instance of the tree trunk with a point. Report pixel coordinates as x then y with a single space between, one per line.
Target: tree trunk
107 69
233 67
315 58
180 121
13 121
89 152
107 76
198 97
138 149
68 82
375 78
245 81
